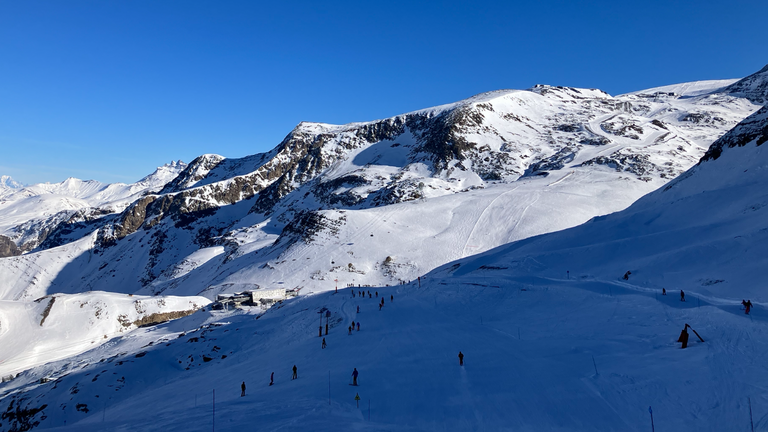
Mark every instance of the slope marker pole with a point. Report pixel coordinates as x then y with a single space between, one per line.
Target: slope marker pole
653 429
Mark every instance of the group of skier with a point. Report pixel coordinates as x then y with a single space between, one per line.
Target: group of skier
354 325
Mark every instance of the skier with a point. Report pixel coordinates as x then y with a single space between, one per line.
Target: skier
242 388
461 358
272 379
369 295
682 295
747 306
626 275
358 326
663 291
391 298
377 293
358 309
350 329
354 377
295 373
324 344
353 324
684 336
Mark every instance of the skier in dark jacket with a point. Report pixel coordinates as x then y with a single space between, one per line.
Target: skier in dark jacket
663 291
324 344
242 389
682 295
354 377
684 336
626 275
295 373
358 309
350 329
461 358
358 326
391 298
747 306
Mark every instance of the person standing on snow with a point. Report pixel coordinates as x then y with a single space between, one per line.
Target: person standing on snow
242 389
354 377
663 291
461 358
358 309
682 295
747 306
684 336
391 298
324 344
358 326
295 373
353 324
350 329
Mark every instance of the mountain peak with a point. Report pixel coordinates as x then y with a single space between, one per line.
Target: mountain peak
9 183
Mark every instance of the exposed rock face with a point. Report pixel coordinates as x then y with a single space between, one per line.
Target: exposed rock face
753 87
8 247
753 128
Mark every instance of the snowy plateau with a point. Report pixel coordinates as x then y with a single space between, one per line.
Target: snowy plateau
499 226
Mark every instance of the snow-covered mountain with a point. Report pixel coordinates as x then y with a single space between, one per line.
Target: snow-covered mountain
8 185
553 337
385 201
29 214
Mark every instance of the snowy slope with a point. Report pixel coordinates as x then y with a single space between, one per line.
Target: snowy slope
8 186
545 350
385 201
28 214
60 326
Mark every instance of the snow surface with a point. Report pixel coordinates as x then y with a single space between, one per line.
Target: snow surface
57 327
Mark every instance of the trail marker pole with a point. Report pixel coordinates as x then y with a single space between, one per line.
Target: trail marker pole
593 362
653 429
751 424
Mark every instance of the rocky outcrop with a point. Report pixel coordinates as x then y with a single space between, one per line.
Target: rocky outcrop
753 128
753 87
8 248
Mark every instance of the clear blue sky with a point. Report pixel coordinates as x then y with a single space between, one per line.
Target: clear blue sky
108 90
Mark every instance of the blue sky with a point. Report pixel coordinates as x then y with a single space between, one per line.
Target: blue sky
108 90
